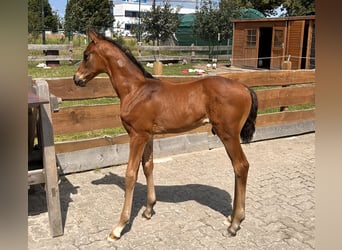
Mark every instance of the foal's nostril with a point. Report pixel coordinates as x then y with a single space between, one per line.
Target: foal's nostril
79 82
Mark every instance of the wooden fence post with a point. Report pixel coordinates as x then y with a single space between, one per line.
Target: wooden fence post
193 51
71 52
139 49
286 65
32 121
49 162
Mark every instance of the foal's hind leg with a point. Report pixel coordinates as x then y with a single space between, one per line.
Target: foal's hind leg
147 162
241 166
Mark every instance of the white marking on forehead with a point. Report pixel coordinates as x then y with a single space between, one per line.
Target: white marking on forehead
120 63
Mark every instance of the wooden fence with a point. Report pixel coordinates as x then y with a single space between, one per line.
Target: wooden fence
275 89
51 52
222 52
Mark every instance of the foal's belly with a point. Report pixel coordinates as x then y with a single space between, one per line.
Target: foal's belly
179 124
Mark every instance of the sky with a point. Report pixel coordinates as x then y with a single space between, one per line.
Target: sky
59 6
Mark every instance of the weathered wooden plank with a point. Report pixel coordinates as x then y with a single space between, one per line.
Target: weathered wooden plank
49 46
101 86
180 58
99 157
104 156
279 97
273 78
93 158
260 78
183 48
49 162
49 58
285 117
36 176
86 118
69 146
66 89
262 121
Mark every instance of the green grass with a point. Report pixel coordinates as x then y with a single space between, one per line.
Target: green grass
290 108
90 134
68 70
64 70
90 102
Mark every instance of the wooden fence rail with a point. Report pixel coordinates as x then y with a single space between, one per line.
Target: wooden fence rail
192 55
274 89
51 52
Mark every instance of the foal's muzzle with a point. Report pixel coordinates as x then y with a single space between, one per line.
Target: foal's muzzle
78 81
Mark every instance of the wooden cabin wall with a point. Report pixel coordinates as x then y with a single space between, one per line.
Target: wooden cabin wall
294 31
295 41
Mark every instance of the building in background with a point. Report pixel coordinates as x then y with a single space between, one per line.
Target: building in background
126 13
267 42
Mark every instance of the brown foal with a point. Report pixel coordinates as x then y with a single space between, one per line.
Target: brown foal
151 106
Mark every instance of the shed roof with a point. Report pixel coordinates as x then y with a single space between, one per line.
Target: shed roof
275 19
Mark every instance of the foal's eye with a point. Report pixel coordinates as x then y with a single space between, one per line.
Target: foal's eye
85 57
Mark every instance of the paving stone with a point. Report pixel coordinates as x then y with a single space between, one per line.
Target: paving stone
194 197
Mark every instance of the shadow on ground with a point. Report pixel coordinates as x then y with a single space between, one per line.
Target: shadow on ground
37 198
217 199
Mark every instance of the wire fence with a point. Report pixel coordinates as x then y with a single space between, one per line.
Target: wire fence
301 60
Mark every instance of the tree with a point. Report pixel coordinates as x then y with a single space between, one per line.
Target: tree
80 15
160 23
213 24
299 8
51 21
268 7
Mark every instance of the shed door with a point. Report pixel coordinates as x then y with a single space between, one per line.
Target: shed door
278 47
250 51
295 42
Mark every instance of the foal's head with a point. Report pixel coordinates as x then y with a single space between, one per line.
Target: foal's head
93 62
96 59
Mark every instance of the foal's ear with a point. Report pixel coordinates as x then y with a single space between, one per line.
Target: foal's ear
93 35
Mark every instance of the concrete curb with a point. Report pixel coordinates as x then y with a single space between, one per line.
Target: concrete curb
112 155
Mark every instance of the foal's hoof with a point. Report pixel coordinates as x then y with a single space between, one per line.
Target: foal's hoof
146 216
111 237
231 232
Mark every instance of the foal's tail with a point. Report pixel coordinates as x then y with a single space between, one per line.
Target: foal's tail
248 129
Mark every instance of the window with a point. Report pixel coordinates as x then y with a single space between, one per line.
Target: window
130 26
251 38
130 13
278 39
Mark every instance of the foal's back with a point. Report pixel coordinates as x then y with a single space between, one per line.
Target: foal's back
181 107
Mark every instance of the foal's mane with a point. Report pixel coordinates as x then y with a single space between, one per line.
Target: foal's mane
129 54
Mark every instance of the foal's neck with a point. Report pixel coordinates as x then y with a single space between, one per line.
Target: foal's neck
125 76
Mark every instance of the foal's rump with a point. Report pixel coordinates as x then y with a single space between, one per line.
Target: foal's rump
232 106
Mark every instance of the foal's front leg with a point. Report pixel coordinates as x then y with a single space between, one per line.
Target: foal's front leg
147 162
137 144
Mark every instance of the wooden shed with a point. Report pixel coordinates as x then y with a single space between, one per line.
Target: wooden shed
268 42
